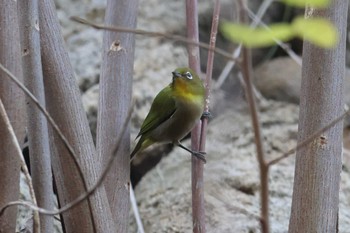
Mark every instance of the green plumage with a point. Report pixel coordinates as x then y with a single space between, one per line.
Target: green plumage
162 108
174 111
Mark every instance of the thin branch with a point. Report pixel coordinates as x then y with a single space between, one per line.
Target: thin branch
85 195
264 169
135 209
156 34
264 192
209 72
309 139
23 164
210 62
197 166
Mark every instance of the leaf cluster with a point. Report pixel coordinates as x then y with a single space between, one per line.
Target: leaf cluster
318 31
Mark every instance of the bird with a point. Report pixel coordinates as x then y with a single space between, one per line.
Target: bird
174 112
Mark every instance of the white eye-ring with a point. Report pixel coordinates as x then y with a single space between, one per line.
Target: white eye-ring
188 75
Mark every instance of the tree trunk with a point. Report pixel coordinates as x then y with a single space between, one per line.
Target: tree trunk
13 100
114 102
38 137
318 165
64 104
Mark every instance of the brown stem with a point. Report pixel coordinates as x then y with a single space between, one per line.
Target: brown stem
198 212
263 166
210 62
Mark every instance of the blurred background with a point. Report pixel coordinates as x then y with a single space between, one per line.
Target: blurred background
161 175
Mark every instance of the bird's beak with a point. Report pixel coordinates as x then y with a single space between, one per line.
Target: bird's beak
176 74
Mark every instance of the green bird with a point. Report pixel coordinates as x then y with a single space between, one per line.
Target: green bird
174 112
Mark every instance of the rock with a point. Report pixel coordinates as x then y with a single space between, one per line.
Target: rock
24 222
279 79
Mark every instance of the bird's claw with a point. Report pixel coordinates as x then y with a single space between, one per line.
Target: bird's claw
200 155
206 114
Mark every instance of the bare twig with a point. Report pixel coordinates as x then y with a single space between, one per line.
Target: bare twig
136 211
210 62
264 169
155 34
309 139
23 164
85 195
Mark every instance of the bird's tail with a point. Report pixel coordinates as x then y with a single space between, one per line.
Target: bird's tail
140 146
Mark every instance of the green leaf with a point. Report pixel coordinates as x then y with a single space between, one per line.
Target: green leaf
318 31
258 37
302 3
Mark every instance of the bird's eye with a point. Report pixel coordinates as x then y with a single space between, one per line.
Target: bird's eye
188 75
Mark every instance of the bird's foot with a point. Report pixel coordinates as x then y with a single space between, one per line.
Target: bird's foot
200 155
207 115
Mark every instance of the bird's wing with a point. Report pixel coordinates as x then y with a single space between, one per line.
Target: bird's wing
163 107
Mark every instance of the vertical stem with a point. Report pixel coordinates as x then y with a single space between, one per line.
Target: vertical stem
199 132
210 62
198 212
263 166
114 103
38 135
193 35
13 101
64 103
